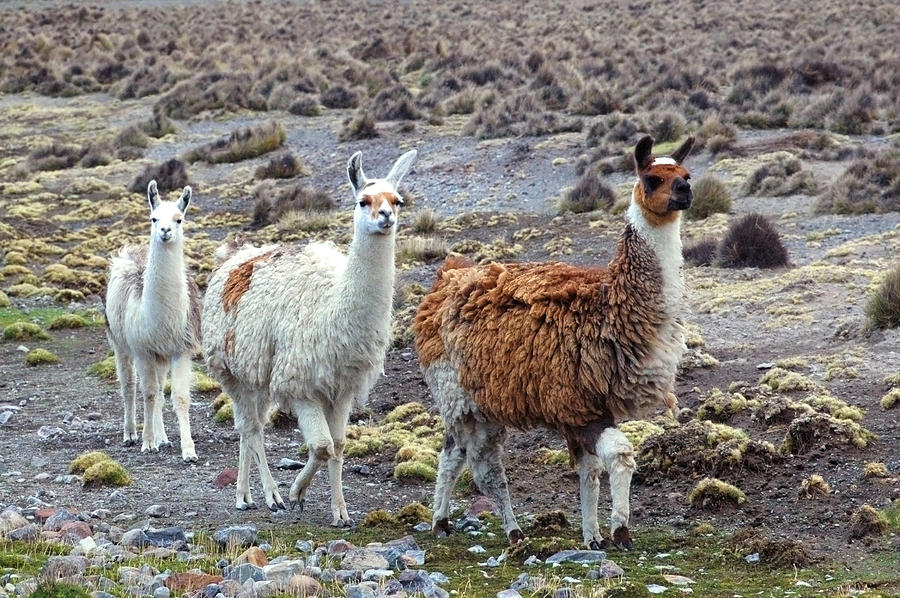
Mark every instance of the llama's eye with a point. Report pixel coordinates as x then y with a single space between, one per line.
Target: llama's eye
652 182
154 220
400 201
362 203
178 221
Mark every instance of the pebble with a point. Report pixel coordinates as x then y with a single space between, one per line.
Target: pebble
166 537
226 477
469 524
477 549
242 573
162 592
29 532
439 578
290 464
481 504
117 499
360 591
156 511
303 546
253 555
55 522
377 574
656 588
577 556
608 570
752 558
10 521
338 547
284 570
237 536
49 432
532 561
74 531
5 416
678 580
64 566
422 527
136 538
508 593
414 558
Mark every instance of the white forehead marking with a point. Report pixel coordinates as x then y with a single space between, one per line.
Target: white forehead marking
166 209
376 186
664 160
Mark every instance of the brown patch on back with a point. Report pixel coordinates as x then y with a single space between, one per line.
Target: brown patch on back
238 281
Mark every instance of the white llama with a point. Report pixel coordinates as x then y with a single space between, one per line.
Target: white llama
305 329
153 324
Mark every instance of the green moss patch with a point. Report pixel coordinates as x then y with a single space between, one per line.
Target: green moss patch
414 513
223 409
379 518
106 473
786 381
20 331
85 461
809 430
712 494
37 357
720 406
68 321
105 369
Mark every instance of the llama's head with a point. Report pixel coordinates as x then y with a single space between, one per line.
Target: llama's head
662 189
166 217
377 200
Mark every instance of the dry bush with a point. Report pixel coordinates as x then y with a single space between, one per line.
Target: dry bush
752 242
395 103
867 521
242 144
589 194
306 105
54 156
338 96
779 552
425 222
711 196
282 166
814 486
868 185
272 203
780 176
360 126
421 249
158 125
169 176
701 253
521 114
131 136
883 307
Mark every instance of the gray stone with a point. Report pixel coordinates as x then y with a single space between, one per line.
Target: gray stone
290 464
393 556
10 521
361 559
609 569
752 558
162 592
524 582
237 536
360 591
136 538
134 577
377 574
565 593
64 566
29 532
303 546
338 547
477 549
414 558
101 594
655 588
469 524
48 432
532 561
405 543
284 570
242 573
346 576
117 499
422 527
416 581
166 537
157 511
55 522
508 593
211 591
577 556
438 577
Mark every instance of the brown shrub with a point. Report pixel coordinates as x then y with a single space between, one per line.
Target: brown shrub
359 126
868 185
242 144
589 194
338 96
282 166
701 253
169 176
752 242
272 203
883 307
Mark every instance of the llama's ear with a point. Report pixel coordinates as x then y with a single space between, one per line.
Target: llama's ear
682 152
184 200
152 195
401 167
643 153
355 172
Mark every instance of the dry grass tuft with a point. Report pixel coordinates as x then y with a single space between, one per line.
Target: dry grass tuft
701 253
711 196
360 126
272 204
868 185
171 175
867 521
814 486
874 469
589 194
883 307
242 144
282 166
712 494
752 242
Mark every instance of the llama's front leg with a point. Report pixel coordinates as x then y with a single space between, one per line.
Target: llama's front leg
152 391
450 464
125 373
617 455
485 447
337 417
319 443
181 402
589 477
244 499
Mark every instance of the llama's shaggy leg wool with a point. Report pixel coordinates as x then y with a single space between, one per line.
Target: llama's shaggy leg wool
159 427
484 446
337 415
244 498
181 402
450 465
617 455
128 388
589 469
249 413
151 390
315 430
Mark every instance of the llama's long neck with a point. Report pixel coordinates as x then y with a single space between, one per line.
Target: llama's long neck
665 241
367 282
165 297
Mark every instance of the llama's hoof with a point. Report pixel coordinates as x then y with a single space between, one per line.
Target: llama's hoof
129 442
595 545
298 504
621 540
276 505
515 536
441 528
189 458
348 523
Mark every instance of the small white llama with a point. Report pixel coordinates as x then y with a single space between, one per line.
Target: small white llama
305 328
153 324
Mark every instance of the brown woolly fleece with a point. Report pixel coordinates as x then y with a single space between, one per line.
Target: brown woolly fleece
550 344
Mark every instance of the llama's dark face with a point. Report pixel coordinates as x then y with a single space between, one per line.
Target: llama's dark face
167 217
663 187
377 200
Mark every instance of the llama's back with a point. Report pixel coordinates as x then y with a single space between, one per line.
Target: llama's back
270 318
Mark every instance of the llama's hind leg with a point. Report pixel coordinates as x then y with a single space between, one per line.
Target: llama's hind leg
248 420
337 416
314 426
125 373
484 447
149 375
450 464
162 369
617 455
181 402
589 468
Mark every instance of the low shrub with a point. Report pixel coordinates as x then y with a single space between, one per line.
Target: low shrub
589 194
360 126
711 196
171 175
868 185
273 203
752 242
282 166
242 144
